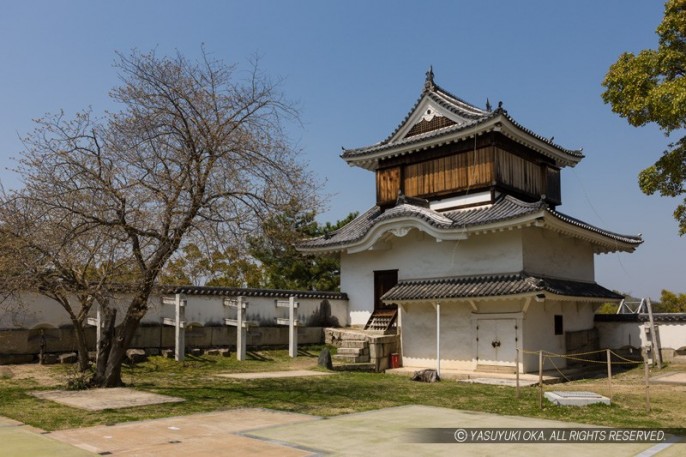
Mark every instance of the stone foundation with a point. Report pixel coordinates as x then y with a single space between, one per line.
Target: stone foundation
368 347
23 346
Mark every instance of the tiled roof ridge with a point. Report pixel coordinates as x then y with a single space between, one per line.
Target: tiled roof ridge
573 152
459 107
435 89
495 284
579 223
249 292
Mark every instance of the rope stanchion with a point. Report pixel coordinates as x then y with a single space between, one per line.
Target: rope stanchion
609 356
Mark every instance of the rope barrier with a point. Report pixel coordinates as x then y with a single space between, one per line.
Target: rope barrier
574 356
558 370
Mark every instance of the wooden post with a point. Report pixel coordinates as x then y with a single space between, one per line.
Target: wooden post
657 355
98 330
179 331
517 370
97 323
240 323
540 378
241 332
609 372
291 321
438 338
646 371
292 329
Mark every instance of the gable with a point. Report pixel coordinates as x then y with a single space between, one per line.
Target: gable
427 116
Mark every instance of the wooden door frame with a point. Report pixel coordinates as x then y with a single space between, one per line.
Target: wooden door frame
381 288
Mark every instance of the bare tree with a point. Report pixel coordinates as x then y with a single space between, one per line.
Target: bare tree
44 250
194 150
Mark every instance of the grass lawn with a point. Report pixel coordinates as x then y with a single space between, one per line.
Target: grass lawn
195 381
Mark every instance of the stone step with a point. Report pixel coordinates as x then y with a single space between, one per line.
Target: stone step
353 344
353 351
351 358
365 367
350 336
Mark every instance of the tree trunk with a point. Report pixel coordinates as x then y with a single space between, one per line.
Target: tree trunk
120 343
81 346
110 317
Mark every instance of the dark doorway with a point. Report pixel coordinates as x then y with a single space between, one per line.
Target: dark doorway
384 281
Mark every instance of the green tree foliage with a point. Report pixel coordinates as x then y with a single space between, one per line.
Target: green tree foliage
607 308
670 302
651 87
221 268
286 268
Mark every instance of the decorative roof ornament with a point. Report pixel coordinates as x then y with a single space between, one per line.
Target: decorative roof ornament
429 84
488 105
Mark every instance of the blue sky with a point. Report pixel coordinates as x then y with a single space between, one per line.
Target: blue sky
354 68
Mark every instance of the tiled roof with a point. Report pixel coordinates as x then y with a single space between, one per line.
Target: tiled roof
657 317
250 292
493 286
504 209
472 115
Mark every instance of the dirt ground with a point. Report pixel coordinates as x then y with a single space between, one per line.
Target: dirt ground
40 374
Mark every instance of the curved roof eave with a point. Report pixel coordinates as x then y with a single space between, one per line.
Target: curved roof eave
368 157
602 240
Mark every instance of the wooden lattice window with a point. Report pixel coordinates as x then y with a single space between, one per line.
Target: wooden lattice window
424 126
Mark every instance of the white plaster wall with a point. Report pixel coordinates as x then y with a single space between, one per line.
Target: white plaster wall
32 310
419 336
549 253
418 256
672 335
539 330
616 335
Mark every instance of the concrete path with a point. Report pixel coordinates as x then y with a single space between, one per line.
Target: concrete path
99 399
384 432
670 378
19 440
275 374
211 434
273 433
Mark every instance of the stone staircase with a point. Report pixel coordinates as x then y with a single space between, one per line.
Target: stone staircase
352 349
361 350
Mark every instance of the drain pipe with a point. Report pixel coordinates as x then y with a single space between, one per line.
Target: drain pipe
438 338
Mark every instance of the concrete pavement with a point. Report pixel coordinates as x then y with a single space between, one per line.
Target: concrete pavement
273 433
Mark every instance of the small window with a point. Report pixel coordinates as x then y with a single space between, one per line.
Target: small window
559 327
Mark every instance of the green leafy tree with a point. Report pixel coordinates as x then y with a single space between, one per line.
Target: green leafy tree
286 268
670 302
227 268
651 87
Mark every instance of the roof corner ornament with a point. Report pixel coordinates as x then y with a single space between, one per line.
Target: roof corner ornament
500 108
400 231
488 105
429 82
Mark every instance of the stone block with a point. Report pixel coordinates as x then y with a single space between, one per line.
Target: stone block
136 355
353 344
70 357
353 351
50 359
375 350
168 353
196 352
325 359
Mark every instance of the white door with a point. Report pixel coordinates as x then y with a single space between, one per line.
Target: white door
496 341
